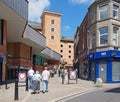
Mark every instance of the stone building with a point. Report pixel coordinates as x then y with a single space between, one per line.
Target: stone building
103 43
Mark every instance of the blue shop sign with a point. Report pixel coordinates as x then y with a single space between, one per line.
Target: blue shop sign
107 54
104 54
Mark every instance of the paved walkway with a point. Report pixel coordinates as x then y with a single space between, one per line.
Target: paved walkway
57 91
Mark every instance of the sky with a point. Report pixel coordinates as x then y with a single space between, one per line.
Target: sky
73 12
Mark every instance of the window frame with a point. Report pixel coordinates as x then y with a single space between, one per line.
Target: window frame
52 21
102 11
103 34
52 37
115 10
116 34
93 40
52 29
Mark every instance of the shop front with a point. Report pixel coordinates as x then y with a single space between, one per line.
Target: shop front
104 65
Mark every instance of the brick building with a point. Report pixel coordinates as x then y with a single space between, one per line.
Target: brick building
80 48
67 50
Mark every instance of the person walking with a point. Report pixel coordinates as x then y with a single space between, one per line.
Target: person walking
30 75
45 80
36 82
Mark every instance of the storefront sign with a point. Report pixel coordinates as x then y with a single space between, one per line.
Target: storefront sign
103 53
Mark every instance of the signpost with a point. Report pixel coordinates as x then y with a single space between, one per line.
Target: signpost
72 75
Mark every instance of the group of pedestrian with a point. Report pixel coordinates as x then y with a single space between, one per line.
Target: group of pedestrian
35 78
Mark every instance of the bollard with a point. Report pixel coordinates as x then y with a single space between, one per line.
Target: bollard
16 89
99 82
62 78
26 82
6 77
16 86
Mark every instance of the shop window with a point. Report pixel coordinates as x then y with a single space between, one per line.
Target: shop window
1 31
103 36
103 12
115 71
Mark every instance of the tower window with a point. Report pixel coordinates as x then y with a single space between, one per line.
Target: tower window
52 21
52 29
52 37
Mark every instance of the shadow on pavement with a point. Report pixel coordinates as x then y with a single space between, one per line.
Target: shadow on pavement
114 90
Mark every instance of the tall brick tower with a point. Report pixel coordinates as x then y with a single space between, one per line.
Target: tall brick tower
51 28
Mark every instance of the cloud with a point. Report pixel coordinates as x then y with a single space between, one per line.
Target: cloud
79 1
36 8
66 28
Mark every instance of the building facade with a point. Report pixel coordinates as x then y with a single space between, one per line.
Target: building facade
51 28
80 47
67 51
21 46
103 41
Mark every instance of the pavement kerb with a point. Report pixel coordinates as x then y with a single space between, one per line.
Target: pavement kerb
70 96
73 95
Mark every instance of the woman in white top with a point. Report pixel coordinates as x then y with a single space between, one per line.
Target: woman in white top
30 75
